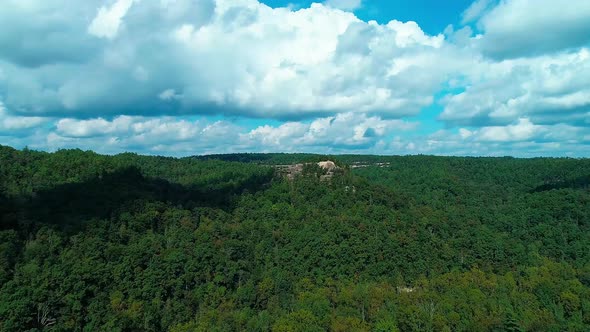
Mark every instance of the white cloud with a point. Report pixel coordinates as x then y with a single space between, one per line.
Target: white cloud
126 74
517 28
93 127
476 10
149 135
107 21
344 4
344 133
169 94
35 33
139 128
520 139
172 136
523 130
548 89
16 125
232 57
283 134
347 130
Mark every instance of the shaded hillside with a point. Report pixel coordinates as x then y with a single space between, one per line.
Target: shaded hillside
582 182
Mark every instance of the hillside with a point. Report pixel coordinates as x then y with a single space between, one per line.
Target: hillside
90 242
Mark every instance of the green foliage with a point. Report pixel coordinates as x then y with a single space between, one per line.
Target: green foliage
135 243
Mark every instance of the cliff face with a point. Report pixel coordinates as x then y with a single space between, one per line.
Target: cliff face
327 165
330 167
291 171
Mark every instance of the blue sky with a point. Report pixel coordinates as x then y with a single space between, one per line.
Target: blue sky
185 77
432 16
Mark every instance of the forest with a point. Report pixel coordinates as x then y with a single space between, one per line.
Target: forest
92 242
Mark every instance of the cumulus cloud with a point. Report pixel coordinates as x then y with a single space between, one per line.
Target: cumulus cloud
107 21
290 64
35 33
521 139
139 128
344 133
174 136
548 89
162 135
344 130
516 28
523 130
344 4
93 127
476 10
11 125
134 75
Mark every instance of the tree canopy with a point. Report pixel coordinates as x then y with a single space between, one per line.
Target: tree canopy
222 243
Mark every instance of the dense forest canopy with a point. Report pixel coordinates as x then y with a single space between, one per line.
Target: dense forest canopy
223 243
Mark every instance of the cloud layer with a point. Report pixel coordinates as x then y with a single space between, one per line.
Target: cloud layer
145 76
517 28
231 57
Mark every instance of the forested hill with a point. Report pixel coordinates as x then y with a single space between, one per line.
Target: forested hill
221 243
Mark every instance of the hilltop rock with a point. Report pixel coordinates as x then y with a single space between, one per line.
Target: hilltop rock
327 165
291 171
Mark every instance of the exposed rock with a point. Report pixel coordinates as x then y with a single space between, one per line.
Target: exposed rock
328 165
291 171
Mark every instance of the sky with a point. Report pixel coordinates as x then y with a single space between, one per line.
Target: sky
188 77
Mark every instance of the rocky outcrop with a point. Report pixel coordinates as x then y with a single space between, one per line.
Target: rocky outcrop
291 171
327 165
